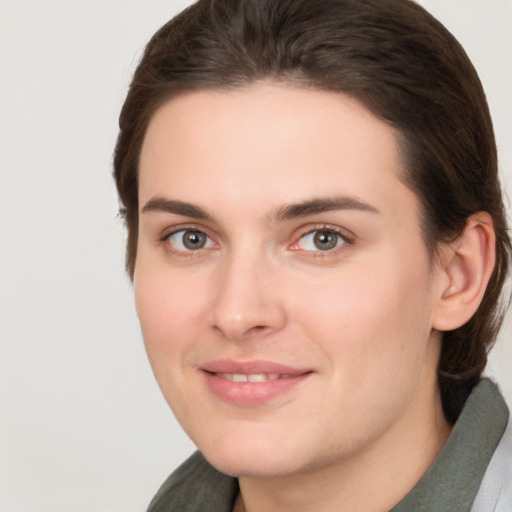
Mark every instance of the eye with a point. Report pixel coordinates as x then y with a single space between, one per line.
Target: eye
321 240
189 240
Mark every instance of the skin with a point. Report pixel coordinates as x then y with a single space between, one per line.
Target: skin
366 423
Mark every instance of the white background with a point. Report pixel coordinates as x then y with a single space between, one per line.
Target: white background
82 424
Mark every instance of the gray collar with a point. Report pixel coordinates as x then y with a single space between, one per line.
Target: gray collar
452 481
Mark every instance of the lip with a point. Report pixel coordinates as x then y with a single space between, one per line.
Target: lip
250 394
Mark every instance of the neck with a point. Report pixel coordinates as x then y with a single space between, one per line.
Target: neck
374 480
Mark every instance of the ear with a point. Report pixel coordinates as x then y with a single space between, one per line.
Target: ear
466 266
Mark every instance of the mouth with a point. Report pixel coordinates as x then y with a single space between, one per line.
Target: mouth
250 384
253 377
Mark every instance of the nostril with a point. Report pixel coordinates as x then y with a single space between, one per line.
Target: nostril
257 328
255 331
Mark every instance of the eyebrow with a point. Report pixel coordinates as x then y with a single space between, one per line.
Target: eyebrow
287 212
162 204
321 205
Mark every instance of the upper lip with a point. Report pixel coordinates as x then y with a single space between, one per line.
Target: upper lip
250 367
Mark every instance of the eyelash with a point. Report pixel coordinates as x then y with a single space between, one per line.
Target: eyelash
185 229
343 239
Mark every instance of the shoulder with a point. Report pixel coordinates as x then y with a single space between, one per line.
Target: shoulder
495 492
195 486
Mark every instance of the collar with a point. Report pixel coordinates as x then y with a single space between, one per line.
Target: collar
452 481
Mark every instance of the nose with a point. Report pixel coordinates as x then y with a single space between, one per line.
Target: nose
247 302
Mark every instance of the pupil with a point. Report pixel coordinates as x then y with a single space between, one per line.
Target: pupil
194 240
325 240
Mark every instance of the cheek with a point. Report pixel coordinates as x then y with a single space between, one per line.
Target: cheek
167 311
166 308
373 320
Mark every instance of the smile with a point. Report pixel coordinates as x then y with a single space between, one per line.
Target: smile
253 377
250 384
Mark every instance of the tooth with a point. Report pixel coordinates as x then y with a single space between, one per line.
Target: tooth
254 377
257 377
227 376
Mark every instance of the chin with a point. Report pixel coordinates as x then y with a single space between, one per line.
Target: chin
260 467
262 457
258 458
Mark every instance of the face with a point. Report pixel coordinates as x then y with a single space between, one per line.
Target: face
284 289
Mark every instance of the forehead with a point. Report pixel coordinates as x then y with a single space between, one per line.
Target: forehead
280 142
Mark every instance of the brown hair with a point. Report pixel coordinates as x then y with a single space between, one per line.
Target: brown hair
395 59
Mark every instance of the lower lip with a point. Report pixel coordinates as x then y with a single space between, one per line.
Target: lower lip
250 394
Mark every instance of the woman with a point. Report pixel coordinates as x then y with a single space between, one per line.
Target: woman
318 244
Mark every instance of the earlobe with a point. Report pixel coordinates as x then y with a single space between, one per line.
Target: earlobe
467 266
